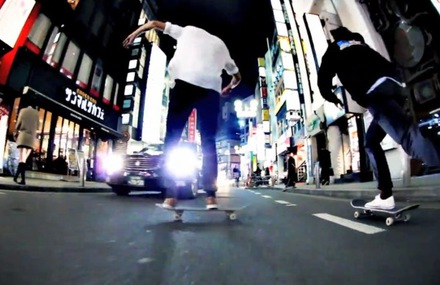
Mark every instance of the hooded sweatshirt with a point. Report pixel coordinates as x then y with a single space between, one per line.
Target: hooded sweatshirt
357 65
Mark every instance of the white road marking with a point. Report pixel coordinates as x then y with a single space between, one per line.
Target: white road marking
145 260
366 229
287 204
266 196
258 193
1 193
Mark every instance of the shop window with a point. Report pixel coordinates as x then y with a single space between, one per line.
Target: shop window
52 54
108 89
142 61
70 60
37 143
14 115
84 71
45 140
88 148
115 97
38 33
58 150
97 79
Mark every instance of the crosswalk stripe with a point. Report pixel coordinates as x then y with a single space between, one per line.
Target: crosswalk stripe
366 229
266 196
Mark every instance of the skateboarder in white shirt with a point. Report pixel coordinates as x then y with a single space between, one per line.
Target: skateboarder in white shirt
196 70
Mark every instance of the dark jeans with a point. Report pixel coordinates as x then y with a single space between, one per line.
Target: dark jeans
184 97
386 106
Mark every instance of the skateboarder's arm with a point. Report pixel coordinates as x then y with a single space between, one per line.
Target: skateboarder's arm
157 25
231 69
325 76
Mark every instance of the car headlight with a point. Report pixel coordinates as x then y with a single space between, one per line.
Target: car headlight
181 162
114 164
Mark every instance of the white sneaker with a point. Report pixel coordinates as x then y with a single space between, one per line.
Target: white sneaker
379 203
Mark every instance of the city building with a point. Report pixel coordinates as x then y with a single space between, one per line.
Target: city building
67 57
303 121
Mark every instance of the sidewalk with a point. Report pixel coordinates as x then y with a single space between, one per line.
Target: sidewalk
421 189
41 185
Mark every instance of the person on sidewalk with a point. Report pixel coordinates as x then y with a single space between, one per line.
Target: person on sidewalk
291 172
26 132
196 70
374 83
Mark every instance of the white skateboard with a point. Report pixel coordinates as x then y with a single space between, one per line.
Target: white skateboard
178 210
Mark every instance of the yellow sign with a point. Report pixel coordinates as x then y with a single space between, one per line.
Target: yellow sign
266 115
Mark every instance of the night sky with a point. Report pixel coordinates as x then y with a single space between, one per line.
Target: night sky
243 25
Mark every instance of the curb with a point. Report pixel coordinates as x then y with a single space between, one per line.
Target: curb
31 188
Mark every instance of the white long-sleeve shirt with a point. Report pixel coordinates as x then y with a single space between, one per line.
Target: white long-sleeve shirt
199 58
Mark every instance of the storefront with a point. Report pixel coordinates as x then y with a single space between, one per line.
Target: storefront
71 121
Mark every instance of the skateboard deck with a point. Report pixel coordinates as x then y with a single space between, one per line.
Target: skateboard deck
230 211
396 214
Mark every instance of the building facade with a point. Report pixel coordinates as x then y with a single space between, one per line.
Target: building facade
67 57
310 126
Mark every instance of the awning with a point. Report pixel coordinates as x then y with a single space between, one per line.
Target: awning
67 111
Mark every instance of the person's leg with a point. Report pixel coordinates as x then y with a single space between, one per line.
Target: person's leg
27 152
208 109
21 155
179 109
390 115
375 135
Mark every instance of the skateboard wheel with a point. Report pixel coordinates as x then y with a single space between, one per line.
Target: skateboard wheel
177 217
389 221
232 216
406 217
356 214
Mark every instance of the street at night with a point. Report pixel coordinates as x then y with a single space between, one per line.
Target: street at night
279 238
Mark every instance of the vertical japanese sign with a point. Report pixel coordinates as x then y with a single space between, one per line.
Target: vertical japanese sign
192 124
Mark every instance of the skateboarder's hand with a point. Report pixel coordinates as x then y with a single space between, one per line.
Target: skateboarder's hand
226 90
129 40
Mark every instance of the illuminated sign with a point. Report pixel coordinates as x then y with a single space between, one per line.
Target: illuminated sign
192 122
85 102
13 16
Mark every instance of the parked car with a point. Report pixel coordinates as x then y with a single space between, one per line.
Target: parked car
143 170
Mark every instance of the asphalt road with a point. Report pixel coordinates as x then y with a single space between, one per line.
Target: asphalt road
280 238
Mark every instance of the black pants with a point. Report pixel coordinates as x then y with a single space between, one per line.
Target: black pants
386 106
184 97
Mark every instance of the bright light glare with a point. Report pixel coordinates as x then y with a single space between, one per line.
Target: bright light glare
254 104
114 164
181 162
238 104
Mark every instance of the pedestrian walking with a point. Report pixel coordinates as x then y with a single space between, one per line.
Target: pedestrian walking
25 132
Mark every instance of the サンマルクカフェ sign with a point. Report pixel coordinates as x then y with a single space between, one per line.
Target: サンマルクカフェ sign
81 100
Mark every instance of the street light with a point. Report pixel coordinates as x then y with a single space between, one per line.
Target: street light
246 112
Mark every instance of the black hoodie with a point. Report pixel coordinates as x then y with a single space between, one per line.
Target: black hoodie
356 64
